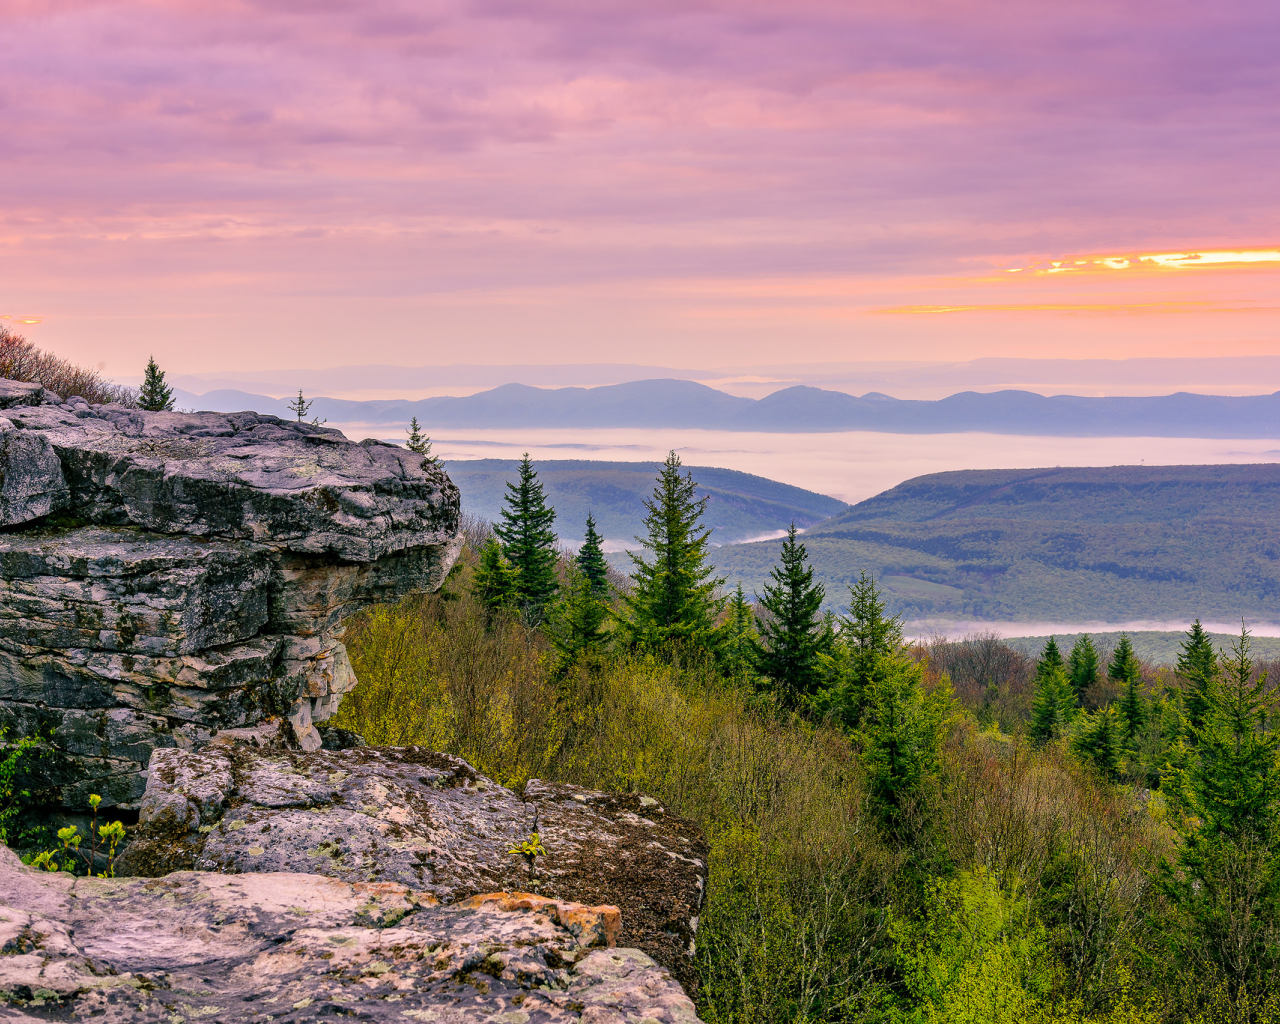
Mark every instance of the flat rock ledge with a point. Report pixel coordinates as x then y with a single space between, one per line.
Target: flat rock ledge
195 946
165 576
426 821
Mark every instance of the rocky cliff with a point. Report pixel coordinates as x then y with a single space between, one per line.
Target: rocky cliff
166 577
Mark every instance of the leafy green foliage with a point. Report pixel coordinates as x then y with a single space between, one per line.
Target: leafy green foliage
576 626
1198 666
1125 670
154 396
1054 708
740 638
1082 665
417 442
496 581
529 543
1100 741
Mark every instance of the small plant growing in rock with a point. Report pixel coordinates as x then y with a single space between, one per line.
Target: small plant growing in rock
531 849
419 442
104 839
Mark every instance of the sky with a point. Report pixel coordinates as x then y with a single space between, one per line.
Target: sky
240 185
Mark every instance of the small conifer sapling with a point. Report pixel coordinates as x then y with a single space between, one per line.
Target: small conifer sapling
155 395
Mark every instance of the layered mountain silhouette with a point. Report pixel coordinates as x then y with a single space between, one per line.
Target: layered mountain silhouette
682 403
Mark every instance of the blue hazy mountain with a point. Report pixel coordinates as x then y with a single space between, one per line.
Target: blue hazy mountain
682 403
740 505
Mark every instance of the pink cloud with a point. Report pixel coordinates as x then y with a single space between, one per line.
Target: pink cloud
166 160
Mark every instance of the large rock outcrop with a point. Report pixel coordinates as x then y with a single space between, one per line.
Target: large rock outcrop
425 820
196 946
167 576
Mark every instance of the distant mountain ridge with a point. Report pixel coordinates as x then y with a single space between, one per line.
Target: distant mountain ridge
1115 544
688 404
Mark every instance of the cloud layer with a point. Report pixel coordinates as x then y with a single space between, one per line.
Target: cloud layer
565 178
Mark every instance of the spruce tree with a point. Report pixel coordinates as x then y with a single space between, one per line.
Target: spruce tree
155 395
1082 666
1099 742
867 637
300 406
1225 803
739 645
418 441
529 543
1053 708
495 579
1198 666
1050 658
1125 670
673 601
577 623
791 647
592 562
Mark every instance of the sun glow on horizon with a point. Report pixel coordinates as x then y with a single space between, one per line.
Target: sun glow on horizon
1175 260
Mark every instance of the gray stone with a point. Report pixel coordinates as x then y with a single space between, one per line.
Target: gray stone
425 820
190 573
227 948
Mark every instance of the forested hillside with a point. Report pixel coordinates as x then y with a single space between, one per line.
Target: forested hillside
739 505
1105 544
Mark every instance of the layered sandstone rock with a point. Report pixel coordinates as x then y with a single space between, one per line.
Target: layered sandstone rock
292 947
167 576
428 821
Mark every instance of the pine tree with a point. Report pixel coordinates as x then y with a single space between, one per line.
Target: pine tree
1198 666
300 406
1099 742
155 395
495 580
1226 806
738 648
576 626
1054 707
791 648
529 543
1050 658
1082 666
867 637
900 735
673 602
1126 670
592 562
418 441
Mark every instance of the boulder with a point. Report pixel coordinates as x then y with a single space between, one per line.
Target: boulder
428 821
167 576
292 947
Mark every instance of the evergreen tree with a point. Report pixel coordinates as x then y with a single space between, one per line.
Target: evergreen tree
1082 666
1099 742
418 441
155 395
1050 658
1226 806
791 647
738 648
1054 706
1125 670
529 543
900 735
577 623
867 637
300 406
592 562
673 601
495 580
1198 666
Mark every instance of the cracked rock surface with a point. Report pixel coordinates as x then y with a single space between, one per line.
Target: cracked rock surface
197 946
167 575
428 821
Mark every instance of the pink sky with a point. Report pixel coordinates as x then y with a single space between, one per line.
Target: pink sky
238 184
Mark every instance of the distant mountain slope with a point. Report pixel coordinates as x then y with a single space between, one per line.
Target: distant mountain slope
682 403
1116 544
741 505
